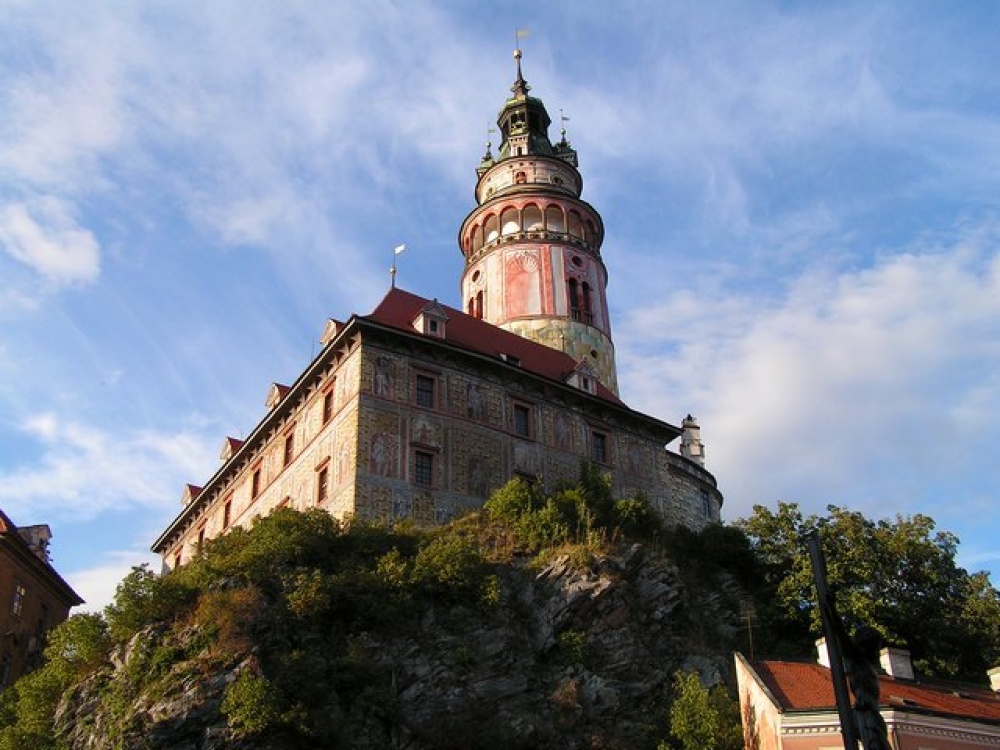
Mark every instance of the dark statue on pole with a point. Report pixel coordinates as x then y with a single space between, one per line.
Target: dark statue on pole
857 656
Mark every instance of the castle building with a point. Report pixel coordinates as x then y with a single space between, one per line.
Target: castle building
34 598
420 410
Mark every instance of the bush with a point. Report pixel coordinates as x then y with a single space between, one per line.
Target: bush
251 704
635 518
79 645
510 502
450 564
227 617
28 707
143 598
703 719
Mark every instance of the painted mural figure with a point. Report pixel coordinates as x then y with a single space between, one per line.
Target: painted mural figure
478 480
477 401
562 432
523 294
383 454
343 461
383 376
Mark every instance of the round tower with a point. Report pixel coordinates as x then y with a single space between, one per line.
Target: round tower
532 247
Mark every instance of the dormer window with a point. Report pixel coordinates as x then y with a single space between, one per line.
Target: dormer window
583 377
510 359
432 320
275 394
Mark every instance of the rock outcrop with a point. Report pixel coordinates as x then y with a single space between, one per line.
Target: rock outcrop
576 654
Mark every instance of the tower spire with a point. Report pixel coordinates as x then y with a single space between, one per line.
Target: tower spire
520 87
532 246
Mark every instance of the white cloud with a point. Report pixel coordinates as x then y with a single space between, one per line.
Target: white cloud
866 385
84 470
44 236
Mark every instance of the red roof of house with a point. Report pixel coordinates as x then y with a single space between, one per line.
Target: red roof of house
807 687
399 308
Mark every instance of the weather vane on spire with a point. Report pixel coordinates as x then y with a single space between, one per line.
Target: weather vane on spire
392 269
562 130
520 87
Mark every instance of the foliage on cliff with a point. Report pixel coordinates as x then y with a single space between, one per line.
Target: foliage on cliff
306 630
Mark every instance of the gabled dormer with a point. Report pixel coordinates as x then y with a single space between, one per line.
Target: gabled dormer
275 394
583 377
190 494
229 448
432 320
330 331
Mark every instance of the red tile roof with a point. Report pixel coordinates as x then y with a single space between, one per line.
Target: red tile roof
805 687
399 308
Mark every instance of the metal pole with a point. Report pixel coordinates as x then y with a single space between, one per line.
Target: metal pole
847 726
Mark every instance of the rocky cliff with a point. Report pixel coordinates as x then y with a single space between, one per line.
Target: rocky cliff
577 652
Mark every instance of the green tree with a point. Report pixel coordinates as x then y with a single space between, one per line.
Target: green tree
703 719
898 576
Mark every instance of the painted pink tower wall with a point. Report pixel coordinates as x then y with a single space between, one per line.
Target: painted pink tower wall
532 247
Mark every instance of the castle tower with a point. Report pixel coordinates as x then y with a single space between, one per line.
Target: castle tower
532 247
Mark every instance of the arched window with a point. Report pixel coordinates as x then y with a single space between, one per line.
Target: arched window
491 229
477 238
575 225
479 305
510 221
554 221
573 288
588 313
531 218
591 232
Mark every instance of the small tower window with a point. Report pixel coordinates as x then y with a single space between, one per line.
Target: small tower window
573 289
588 315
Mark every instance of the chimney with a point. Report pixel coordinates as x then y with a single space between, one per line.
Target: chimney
896 663
994 675
691 445
822 653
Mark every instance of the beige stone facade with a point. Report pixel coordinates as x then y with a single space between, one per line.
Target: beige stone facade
349 434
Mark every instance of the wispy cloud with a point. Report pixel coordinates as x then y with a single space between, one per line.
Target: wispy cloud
44 236
84 470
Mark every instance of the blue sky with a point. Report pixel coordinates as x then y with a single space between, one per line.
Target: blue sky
802 205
